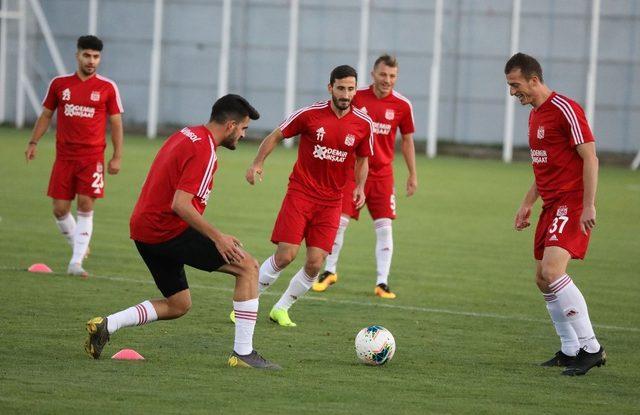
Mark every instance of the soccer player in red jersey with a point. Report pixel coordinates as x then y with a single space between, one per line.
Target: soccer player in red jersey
169 232
565 167
389 111
332 133
84 100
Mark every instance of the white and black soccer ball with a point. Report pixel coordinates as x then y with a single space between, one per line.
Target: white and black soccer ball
375 345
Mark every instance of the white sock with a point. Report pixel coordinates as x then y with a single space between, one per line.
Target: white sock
384 249
568 337
67 226
82 236
332 259
269 273
137 315
299 285
246 315
574 308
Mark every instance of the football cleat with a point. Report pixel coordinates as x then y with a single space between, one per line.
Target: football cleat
252 360
383 291
560 359
325 280
77 270
232 316
98 336
281 316
585 361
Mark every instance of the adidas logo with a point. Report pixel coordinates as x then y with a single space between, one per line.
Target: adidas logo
553 238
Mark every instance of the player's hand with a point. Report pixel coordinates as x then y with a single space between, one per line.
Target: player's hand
412 185
588 219
522 218
253 171
230 248
30 152
114 166
358 197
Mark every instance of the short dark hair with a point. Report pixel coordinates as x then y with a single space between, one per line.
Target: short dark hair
90 42
528 65
232 107
387 60
341 72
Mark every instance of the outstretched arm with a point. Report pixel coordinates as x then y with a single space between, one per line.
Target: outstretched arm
523 214
229 247
590 182
266 147
409 154
117 140
41 127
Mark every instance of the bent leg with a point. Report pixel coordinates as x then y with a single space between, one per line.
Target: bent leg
272 267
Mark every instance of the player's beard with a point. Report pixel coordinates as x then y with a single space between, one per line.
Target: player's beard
341 104
230 142
86 71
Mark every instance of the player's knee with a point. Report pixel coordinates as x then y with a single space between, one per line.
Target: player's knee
549 273
179 307
313 265
249 268
283 259
60 212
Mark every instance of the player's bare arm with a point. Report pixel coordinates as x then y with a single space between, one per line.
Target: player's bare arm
41 127
229 246
523 215
266 147
361 173
117 138
409 154
587 152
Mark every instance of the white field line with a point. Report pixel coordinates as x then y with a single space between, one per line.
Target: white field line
364 303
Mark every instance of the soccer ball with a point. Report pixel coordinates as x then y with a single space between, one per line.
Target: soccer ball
375 345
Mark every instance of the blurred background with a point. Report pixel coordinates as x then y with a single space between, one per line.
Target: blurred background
172 58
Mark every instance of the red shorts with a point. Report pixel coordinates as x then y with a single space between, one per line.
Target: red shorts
381 199
559 225
72 177
302 219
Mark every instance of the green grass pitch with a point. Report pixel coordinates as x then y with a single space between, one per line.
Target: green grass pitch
469 323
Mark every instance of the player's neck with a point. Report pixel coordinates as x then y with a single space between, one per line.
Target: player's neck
339 113
84 77
541 97
216 131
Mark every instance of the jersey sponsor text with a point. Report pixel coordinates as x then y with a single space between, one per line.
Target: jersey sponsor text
71 110
538 156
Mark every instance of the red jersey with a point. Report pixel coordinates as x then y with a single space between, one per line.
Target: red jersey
187 161
388 113
555 128
82 107
328 146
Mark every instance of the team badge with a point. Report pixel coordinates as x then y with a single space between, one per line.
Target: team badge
562 210
541 132
349 140
99 167
320 134
66 94
389 114
95 96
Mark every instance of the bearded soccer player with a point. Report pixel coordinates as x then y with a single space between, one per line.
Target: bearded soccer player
389 111
565 167
169 232
84 100
332 133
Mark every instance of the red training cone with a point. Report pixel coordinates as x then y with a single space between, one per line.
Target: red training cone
41 268
127 354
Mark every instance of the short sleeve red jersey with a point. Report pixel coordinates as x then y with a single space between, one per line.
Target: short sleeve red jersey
327 149
388 114
555 129
83 107
187 161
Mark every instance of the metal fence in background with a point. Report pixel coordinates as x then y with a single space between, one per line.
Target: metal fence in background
172 58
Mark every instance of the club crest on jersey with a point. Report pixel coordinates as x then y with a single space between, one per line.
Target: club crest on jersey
66 94
320 134
95 96
99 167
389 114
541 132
562 210
350 140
